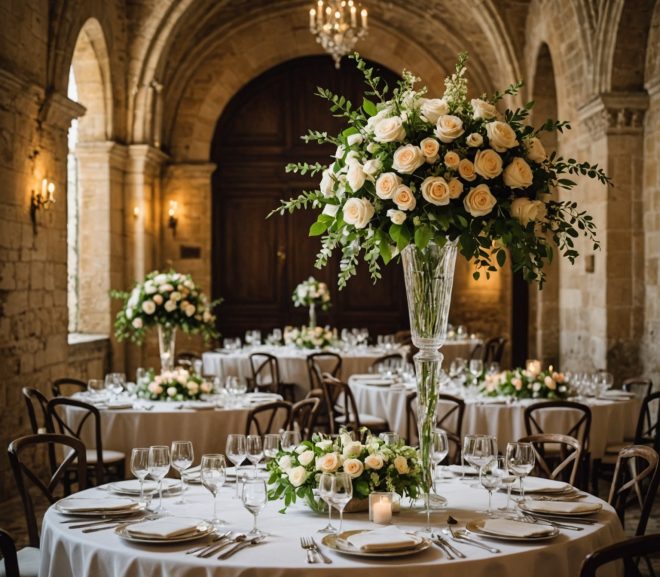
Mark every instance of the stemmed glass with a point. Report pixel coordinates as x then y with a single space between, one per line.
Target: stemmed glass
520 460
481 451
271 445
342 493
255 497
255 450
325 492
508 479
439 448
213 474
236 452
114 383
491 478
389 438
290 440
466 453
159 465
182 458
140 467
476 368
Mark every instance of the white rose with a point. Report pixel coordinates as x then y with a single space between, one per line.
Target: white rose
474 140
353 467
396 216
518 174
331 209
358 212
193 387
160 279
535 150
401 465
501 136
355 176
435 190
386 184
129 314
526 210
300 449
341 150
297 476
536 387
430 147
433 108
171 391
466 170
373 147
404 198
328 463
149 307
149 288
389 130
372 167
324 445
483 109
354 139
407 159
374 462
137 323
175 296
170 306
488 163
352 449
352 157
306 458
327 184
285 463
449 128
167 287
479 201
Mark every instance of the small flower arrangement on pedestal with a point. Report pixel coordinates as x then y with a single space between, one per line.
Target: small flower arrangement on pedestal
373 466
312 293
176 385
527 384
309 337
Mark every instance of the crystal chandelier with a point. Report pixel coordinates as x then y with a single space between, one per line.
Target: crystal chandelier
335 25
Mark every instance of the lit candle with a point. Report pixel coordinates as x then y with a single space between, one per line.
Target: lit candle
44 188
312 18
382 511
353 16
363 14
51 192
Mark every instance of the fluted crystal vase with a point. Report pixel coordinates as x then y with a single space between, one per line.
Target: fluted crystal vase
166 344
312 316
429 276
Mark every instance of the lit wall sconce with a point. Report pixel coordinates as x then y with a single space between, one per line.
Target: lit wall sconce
173 220
136 212
41 198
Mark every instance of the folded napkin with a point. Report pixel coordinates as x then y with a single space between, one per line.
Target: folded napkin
386 539
616 394
538 485
464 470
115 405
561 507
379 382
81 504
362 377
510 528
199 405
133 486
164 528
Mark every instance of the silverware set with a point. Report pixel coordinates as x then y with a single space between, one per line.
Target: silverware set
448 549
462 536
313 551
220 542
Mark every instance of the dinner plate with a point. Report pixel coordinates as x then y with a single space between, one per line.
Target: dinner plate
134 506
339 544
132 486
462 470
476 527
594 508
199 405
203 529
547 486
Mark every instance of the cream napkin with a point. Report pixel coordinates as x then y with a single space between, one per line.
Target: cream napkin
82 504
510 528
385 539
538 485
561 507
164 528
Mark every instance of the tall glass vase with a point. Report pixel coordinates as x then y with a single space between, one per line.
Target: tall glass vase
312 316
166 344
429 276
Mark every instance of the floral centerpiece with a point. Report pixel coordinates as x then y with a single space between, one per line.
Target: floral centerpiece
373 466
526 384
308 337
312 293
170 301
176 385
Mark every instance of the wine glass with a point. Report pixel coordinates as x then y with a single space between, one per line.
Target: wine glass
325 492
271 445
255 450
476 368
141 375
342 493
95 387
213 473
255 497
389 438
113 384
182 458
491 478
236 453
159 465
520 461
290 440
140 467
508 479
439 447
466 453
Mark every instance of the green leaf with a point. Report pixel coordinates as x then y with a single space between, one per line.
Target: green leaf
501 258
369 107
318 228
423 234
385 251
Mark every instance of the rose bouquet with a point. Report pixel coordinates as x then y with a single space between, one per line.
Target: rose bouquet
526 384
373 466
166 299
176 385
308 337
312 292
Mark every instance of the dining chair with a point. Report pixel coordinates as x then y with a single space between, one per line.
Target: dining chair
277 416
22 563
636 477
389 362
37 404
266 376
21 453
303 417
449 418
626 551
186 359
67 386
322 416
343 409
403 338
565 451
640 386
323 362
103 463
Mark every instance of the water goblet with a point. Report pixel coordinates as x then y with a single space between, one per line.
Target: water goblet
140 466
159 465
466 454
213 473
236 453
182 458
520 461
325 492
255 497
439 447
95 387
490 477
508 479
290 440
255 450
390 437
342 493
271 445
476 368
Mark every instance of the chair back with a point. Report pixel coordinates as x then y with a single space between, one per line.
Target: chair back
626 551
564 451
22 461
494 350
268 417
341 404
648 429
449 417
635 479
319 363
389 362
186 359
640 386
37 408
323 414
67 386
8 551
303 417
265 372
579 428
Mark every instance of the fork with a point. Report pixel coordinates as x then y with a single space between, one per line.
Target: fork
461 535
321 554
308 546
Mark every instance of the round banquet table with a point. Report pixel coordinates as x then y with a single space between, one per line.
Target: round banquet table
70 553
612 421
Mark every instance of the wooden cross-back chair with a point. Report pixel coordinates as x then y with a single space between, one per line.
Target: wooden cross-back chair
266 376
453 410
320 363
8 551
74 456
391 361
22 563
565 461
277 415
303 417
626 551
67 386
640 386
37 409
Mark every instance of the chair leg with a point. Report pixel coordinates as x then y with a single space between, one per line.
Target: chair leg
595 475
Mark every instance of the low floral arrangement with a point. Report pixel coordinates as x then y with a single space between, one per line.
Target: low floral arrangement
309 337
169 299
176 385
526 384
312 292
373 466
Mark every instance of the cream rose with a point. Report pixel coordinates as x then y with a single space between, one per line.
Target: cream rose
526 210
455 188
435 190
171 391
483 109
474 140
389 130
396 216
149 307
501 136
353 467
407 159
449 128
535 150
466 170
372 166
354 139
306 457
324 445
358 212
137 323
328 463
550 383
430 147
352 449
452 160
518 174
158 299
401 465
404 198
327 184
285 463
170 306
355 176
374 462
488 163
193 387
479 201
433 108
297 476
386 184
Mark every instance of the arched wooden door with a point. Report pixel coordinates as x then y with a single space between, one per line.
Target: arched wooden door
257 262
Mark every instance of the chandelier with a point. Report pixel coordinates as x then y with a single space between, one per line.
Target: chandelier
335 25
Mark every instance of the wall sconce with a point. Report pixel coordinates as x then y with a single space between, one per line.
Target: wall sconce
173 220
136 212
43 198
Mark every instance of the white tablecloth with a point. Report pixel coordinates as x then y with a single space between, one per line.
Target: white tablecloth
71 553
611 421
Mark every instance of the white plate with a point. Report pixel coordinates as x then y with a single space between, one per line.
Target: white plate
538 485
199 405
476 527
131 507
339 544
132 486
203 529
594 508
462 470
